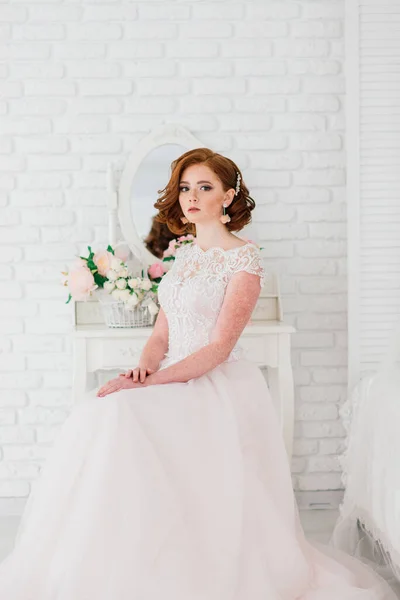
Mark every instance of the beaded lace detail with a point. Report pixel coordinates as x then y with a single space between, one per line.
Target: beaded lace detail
191 294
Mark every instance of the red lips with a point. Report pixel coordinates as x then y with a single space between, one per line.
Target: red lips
193 209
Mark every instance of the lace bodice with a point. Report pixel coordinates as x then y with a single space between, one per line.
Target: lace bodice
191 294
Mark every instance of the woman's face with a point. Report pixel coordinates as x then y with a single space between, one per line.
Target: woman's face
200 188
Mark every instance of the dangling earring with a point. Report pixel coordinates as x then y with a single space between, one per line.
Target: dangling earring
224 218
184 220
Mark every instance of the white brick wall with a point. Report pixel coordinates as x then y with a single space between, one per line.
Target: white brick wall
80 84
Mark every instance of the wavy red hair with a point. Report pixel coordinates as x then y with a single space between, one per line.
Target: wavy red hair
225 169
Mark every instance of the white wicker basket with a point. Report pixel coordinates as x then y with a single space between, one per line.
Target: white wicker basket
117 315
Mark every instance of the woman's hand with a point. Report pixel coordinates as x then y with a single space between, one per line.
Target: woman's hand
117 384
139 373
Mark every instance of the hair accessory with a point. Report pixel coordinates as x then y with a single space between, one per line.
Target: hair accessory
238 178
184 220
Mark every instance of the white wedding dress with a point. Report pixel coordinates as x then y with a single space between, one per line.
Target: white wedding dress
179 491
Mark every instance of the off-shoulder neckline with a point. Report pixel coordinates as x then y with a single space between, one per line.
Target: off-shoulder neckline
220 249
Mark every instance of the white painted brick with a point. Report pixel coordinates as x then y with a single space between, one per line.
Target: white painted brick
277 161
298 465
18 126
131 50
320 481
329 322
18 471
13 398
314 67
305 447
47 216
316 411
37 415
299 48
57 379
304 195
58 252
313 340
56 145
117 12
55 163
10 290
26 453
316 29
101 87
7 417
59 12
149 87
159 68
12 362
325 464
39 32
333 393
13 14
211 11
322 430
84 50
50 397
332 446
19 380
191 49
75 234
46 434
6 273
14 489
37 343
153 30
17 435
330 375
61 325
245 48
11 326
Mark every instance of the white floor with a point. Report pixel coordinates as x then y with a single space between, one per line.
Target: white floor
318 525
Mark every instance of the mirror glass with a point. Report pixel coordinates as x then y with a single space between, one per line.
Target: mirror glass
152 175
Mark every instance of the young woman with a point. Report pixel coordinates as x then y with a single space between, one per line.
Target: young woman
171 482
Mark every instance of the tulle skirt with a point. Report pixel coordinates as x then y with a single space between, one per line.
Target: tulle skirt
179 491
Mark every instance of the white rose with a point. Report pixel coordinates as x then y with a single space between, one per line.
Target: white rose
123 272
111 275
153 308
109 286
124 295
115 294
121 284
133 283
116 264
133 300
146 284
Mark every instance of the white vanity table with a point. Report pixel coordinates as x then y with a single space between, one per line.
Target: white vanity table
266 340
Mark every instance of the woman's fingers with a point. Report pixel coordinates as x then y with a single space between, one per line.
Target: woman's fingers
128 373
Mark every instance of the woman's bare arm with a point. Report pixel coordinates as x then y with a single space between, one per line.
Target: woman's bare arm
241 297
157 344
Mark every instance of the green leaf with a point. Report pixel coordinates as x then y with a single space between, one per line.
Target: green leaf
110 249
69 298
99 279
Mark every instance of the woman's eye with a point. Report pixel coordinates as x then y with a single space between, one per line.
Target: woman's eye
183 188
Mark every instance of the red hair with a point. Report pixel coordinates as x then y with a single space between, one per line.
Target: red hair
225 169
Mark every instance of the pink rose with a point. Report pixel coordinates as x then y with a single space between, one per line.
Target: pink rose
81 283
156 270
102 260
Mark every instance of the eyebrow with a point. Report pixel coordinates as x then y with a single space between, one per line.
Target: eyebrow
202 181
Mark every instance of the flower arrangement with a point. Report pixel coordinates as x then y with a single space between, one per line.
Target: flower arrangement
107 270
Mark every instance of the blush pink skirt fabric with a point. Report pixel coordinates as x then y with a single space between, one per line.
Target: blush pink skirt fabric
179 491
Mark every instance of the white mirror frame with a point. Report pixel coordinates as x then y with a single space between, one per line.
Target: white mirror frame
170 133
